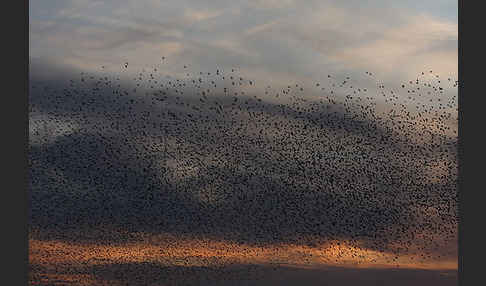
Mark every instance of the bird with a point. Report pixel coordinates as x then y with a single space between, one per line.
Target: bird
368 165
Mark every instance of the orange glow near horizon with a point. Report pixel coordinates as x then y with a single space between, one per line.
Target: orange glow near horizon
203 252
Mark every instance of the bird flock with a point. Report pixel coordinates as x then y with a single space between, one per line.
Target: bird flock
220 155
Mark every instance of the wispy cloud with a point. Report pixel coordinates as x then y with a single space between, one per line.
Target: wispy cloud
392 39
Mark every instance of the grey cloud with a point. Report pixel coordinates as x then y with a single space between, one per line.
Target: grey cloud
304 34
133 182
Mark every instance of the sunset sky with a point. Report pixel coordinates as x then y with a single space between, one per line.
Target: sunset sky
274 42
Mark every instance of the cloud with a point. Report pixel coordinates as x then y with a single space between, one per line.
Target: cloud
340 37
212 175
421 44
198 15
270 4
278 38
237 195
260 28
214 262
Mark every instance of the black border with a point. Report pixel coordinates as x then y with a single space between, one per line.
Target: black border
15 142
471 143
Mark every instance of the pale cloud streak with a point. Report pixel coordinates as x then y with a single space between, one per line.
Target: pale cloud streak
422 43
295 39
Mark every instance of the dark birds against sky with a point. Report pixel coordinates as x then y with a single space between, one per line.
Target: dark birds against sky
209 156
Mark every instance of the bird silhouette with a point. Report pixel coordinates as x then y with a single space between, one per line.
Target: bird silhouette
234 159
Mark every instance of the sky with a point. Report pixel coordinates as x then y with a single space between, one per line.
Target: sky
276 40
